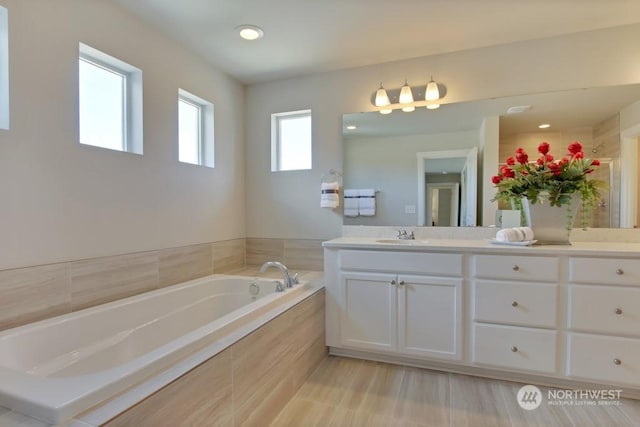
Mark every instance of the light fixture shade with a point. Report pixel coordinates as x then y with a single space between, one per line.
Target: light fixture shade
382 98
406 97
432 93
408 109
433 106
386 111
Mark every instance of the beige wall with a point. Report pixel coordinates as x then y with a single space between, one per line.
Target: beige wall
61 201
291 198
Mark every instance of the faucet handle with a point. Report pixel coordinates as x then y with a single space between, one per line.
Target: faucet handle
412 236
295 278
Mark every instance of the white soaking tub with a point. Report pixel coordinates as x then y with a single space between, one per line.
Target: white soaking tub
57 368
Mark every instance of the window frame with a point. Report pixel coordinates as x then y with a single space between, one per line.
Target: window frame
132 97
206 136
276 146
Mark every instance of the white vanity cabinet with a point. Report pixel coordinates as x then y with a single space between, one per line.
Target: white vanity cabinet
515 300
604 320
562 315
394 312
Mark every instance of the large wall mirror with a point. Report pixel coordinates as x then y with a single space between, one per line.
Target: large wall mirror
417 162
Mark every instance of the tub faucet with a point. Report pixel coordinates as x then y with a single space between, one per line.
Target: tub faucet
288 280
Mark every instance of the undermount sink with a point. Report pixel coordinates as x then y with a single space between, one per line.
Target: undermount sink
401 242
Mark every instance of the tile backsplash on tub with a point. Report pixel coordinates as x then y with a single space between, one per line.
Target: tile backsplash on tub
299 254
35 293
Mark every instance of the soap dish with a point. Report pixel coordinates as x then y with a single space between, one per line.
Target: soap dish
523 243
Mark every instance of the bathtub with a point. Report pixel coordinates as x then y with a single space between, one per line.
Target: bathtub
57 368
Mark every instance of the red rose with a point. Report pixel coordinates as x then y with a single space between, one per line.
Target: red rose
575 147
508 173
511 160
496 179
595 162
543 148
522 157
553 166
548 158
578 155
564 161
520 150
540 161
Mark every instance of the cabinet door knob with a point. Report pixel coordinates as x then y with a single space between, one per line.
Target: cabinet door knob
514 304
514 348
393 282
618 311
401 283
617 361
516 268
619 272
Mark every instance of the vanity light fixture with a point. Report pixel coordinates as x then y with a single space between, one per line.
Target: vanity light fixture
352 127
406 97
250 32
544 126
403 98
432 93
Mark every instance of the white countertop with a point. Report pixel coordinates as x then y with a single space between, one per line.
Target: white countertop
457 245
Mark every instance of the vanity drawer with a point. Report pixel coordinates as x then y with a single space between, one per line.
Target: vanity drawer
535 268
605 271
606 309
607 359
512 347
527 304
442 264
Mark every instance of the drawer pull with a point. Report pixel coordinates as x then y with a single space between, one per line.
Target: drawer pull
619 272
516 268
393 282
617 361
514 348
514 304
618 311
401 283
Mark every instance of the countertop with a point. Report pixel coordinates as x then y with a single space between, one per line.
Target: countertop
458 245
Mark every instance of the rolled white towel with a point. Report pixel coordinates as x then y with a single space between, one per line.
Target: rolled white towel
329 195
509 235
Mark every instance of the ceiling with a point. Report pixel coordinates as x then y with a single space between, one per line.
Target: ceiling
307 36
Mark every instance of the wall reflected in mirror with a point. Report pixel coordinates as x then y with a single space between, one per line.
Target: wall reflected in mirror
381 151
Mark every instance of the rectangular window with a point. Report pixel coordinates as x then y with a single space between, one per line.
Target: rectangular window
195 130
291 141
110 102
4 68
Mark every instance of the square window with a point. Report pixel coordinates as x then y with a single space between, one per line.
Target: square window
291 141
110 102
195 130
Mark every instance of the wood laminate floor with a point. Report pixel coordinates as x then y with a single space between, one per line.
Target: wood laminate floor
351 392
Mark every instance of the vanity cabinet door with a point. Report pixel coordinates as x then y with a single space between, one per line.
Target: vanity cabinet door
368 314
430 317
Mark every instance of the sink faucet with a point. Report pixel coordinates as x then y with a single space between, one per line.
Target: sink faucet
288 280
402 235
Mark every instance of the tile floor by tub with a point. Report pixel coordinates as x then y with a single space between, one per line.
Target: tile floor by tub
349 392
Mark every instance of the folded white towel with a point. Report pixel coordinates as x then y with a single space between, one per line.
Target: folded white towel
351 198
367 202
329 195
515 234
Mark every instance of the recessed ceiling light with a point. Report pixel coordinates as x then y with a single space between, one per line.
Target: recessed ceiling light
518 109
352 127
544 126
250 32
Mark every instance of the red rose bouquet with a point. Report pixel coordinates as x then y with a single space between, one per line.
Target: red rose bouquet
556 180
